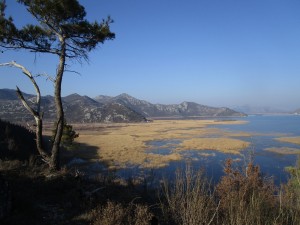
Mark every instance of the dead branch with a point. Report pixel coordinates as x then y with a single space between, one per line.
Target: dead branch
31 77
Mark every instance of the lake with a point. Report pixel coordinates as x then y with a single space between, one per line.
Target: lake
263 129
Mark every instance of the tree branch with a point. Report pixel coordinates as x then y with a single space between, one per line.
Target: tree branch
73 71
38 116
30 76
31 48
26 105
48 77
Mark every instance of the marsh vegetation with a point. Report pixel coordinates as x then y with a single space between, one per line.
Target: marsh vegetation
243 195
123 145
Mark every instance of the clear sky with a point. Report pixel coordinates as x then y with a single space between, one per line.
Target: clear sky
213 52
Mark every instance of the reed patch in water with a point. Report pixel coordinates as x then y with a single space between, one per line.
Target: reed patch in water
293 140
226 145
284 150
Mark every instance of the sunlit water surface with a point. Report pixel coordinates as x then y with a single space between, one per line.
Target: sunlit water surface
263 129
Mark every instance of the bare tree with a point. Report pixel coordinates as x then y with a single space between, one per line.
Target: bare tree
35 112
63 31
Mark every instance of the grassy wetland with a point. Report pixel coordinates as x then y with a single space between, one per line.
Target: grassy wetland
122 145
242 195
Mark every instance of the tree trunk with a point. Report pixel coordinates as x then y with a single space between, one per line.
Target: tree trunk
55 152
39 139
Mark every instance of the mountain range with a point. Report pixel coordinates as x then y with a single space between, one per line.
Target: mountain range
122 108
185 109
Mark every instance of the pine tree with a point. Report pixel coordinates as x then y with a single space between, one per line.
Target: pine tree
68 136
62 31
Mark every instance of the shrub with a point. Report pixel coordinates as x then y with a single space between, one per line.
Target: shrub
188 201
291 195
117 214
246 197
68 136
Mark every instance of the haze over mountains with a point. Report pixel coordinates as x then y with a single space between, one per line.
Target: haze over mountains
263 110
122 108
297 112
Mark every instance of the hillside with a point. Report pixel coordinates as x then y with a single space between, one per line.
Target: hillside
122 108
185 109
78 109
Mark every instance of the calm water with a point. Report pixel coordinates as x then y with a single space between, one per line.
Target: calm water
263 130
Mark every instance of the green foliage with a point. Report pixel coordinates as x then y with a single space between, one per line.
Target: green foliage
7 27
68 136
294 180
60 22
62 30
2 7
292 193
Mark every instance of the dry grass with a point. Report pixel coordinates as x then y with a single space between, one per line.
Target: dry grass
188 200
125 150
246 197
117 214
123 145
226 145
284 150
293 140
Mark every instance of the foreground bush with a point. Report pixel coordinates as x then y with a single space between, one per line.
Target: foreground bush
291 195
242 196
246 197
188 200
117 214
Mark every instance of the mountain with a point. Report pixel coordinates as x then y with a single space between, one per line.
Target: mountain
78 109
8 94
11 108
81 108
122 108
115 112
140 106
85 109
185 109
103 98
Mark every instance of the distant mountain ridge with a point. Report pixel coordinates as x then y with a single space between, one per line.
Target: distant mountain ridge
185 109
78 109
121 108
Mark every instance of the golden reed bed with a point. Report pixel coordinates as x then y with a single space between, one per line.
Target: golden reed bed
122 145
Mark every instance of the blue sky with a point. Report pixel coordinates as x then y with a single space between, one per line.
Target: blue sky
213 52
